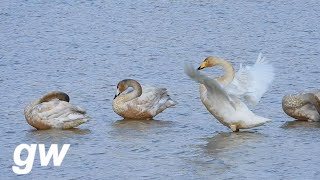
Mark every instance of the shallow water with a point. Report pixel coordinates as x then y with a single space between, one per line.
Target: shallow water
85 47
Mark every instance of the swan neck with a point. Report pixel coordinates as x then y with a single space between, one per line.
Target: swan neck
137 91
229 73
54 95
48 97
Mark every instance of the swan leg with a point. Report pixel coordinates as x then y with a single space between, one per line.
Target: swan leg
234 128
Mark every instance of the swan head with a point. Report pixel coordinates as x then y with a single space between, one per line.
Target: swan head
209 62
55 95
122 86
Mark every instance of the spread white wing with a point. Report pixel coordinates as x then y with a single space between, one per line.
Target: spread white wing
251 82
228 109
215 92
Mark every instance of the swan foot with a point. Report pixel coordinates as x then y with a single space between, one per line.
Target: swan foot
234 128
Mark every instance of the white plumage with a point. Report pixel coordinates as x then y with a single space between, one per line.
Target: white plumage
251 82
223 96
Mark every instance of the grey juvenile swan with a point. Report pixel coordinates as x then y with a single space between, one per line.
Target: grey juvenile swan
302 106
53 110
142 103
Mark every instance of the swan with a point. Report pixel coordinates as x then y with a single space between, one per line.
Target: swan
53 110
226 107
302 106
249 83
141 103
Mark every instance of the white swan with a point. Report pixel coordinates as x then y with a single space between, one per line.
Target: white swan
53 110
228 109
141 103
249 83
303 106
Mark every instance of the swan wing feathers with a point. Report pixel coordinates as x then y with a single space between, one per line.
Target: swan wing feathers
214 91
57 112
153 100
251 82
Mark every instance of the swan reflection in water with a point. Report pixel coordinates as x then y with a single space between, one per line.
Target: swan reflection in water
56 135
136 128
223 152
140 125
300 124
225 142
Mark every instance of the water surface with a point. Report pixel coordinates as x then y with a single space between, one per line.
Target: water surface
85 47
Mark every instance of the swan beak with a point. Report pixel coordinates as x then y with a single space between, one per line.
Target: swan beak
202 66
199 68
117 94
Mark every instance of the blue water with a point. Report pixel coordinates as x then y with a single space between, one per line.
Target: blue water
86 47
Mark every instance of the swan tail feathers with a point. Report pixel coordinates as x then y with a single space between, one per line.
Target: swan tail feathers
171 102
74 123
78 109
166 99
260 121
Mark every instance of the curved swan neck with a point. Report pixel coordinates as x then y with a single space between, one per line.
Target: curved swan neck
51 95
137 90
54 95
229 73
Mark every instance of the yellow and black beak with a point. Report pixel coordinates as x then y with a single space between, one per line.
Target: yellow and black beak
202 66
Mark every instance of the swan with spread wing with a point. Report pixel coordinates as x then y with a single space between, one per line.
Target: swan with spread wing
53 110
249 83
223 96
143 102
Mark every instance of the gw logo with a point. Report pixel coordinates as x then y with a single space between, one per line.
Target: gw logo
53 153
